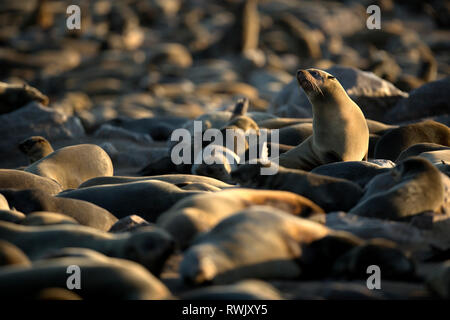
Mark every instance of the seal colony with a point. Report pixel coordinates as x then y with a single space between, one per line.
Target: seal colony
94 203
226 221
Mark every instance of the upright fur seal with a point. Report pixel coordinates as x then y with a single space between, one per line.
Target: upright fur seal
340 131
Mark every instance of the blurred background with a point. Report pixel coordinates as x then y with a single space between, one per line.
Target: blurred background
134 59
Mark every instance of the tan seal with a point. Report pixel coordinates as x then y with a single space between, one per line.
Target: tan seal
259 242
199 213
340 131
70 166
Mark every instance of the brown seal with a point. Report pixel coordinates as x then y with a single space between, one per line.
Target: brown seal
340 131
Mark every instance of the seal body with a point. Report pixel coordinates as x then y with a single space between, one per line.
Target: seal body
36 148
394 141
340 131
70 166
412 187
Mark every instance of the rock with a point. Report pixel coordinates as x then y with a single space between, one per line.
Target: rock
110 132
35 120
439 280
15 96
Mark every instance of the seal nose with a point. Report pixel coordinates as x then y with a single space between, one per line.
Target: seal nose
301 74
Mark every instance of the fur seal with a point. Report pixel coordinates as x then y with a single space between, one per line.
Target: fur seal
11 216
11 255
55 294
70 166
199 213
259 242
83 212
20 180
381 252
44 218
176 179
14 96
331 194
419 148
412 187
35 148
149 246
340 131
295 134
3 203
394 141
360 172
243 290
129 223
278 123
125 280
147 198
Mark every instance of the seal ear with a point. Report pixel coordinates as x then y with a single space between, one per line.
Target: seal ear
331 77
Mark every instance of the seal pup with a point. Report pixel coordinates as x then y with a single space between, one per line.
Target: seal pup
70 166
340 131
35 148
199 213
329 193
413 186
